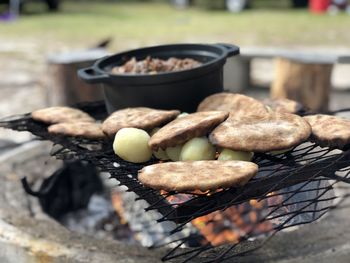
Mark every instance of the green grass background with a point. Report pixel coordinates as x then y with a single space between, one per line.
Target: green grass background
132 24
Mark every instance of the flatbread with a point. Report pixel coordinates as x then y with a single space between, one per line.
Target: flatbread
235 104
197 175
275 131
185 128
139 117
283 105
329 130
59 114
78 129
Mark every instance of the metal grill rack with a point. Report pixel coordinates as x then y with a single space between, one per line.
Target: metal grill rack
291 188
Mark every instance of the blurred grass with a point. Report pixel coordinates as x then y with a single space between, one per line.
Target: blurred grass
82 24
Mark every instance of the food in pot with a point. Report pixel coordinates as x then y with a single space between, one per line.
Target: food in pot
131 144
227 155
155 65
197 149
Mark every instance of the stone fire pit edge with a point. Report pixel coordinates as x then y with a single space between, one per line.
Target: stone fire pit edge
27 239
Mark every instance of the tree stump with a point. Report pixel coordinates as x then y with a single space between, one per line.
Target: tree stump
237 74
65 87
305 81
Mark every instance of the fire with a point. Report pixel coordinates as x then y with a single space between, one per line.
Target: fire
221 227
181 198
230 225
175 199
117 203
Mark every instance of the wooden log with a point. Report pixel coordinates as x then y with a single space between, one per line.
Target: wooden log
306 82
237 74
65 87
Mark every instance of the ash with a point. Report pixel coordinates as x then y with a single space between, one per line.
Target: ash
147 230
100 220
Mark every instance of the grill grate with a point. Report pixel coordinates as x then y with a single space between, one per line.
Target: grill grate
293 188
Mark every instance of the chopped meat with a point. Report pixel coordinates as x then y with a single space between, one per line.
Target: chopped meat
155 65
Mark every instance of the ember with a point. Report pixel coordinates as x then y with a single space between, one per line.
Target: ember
176 199
230 225
117 203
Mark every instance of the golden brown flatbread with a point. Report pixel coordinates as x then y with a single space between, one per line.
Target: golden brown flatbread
78 129
59 114
185 128
139 117
283 105
197 175
329 130
275 131
236 104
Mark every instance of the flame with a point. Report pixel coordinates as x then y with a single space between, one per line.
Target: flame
180 198
117 203
224 226
229 225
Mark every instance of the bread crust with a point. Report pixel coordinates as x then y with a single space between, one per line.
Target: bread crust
235 104
197 175
138 117
283 105
78 129
185 128
275 131
60 114
329 131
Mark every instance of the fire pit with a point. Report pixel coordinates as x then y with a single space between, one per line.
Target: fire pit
29 235
291 189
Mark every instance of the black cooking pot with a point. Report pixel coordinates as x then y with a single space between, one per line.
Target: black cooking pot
181 90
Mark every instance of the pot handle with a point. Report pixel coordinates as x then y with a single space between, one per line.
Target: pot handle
91 76
232 50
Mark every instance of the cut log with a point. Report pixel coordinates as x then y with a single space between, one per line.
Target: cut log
65 87
306 82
